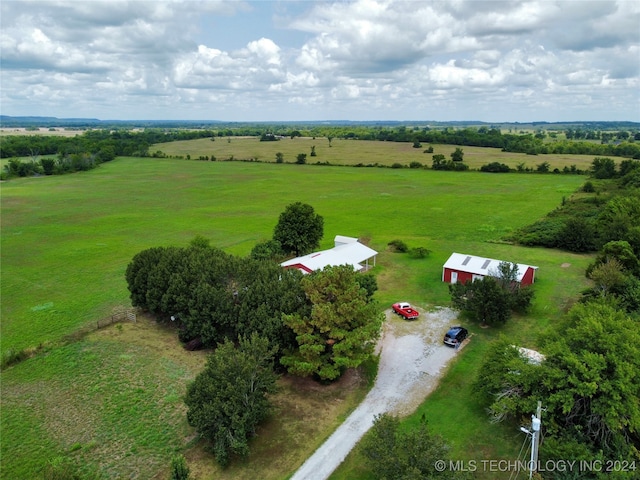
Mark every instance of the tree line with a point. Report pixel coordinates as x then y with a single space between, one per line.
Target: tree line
120 142
606 210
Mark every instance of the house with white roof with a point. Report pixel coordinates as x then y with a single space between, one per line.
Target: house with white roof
346 251
462 268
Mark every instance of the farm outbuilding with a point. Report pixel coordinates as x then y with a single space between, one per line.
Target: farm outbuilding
461 268
346 251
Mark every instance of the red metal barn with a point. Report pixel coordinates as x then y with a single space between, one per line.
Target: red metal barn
463 268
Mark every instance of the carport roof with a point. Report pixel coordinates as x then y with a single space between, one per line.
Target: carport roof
352 253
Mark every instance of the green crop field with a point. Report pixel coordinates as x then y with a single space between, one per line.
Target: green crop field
111 400
354 152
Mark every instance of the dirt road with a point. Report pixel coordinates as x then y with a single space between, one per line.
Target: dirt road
411 361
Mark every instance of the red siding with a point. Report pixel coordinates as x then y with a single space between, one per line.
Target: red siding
299 266
528 277
463 277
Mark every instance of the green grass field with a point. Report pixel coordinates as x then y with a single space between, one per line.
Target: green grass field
354 152
66 242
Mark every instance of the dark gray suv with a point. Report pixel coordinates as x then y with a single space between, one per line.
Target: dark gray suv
455 336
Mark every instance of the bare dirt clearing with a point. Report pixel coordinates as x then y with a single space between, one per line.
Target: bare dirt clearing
412 358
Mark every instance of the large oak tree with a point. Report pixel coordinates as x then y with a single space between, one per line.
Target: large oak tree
299 229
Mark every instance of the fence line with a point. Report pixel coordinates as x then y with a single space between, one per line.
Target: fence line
128 315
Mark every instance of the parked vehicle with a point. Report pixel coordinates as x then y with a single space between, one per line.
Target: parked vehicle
405 310
455 336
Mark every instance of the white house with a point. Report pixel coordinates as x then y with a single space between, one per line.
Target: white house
347 251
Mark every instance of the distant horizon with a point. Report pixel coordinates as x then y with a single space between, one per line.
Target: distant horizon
34 118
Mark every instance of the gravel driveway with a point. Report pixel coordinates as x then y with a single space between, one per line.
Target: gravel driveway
411 361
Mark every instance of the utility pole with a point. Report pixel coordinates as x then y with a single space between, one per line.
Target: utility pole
535 439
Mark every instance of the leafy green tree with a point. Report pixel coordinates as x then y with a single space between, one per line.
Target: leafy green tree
506 380
577 235
301 158
267 250
589 381
603 167
228 399
279 157
341 330
393 453
313 151
608 276
147 277
299 229
368 282
484 299
438 161
592 377
618 219
628 166
457 155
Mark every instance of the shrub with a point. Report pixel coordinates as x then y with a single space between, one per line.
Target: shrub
494 167
415 165
588 187
419 252
543 167
397 165
398 246
179 468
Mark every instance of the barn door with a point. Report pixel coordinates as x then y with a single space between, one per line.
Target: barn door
454 277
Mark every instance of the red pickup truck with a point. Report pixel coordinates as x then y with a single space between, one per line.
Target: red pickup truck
405 310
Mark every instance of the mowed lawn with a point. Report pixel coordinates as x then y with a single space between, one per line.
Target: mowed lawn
113 400
365 152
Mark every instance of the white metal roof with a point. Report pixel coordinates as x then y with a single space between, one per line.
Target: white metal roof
352 253
341 239
480 265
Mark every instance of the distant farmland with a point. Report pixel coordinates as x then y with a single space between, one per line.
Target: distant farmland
359 152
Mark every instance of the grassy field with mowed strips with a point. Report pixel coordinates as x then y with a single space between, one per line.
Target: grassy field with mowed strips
112 400
364 152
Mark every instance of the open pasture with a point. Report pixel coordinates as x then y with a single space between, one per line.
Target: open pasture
354 152
66 242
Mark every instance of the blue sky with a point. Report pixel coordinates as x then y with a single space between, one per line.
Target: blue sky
497 61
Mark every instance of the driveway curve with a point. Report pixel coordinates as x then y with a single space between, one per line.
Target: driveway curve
412 358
